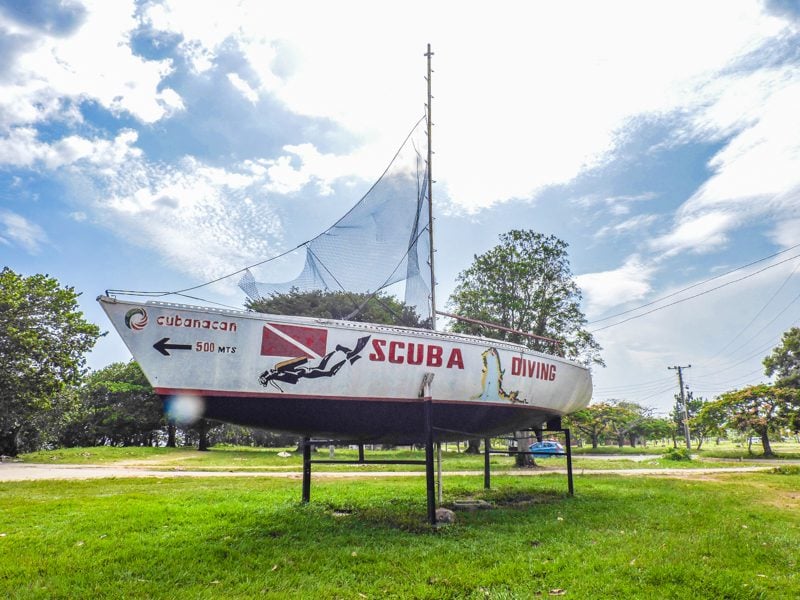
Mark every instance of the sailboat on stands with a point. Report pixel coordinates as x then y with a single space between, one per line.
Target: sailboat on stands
350 380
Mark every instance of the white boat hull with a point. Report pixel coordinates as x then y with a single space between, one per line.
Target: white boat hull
344 380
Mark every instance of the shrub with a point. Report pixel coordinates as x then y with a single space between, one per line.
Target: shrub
678 454
786 470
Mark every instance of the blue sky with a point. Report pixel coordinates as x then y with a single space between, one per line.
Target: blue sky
158 145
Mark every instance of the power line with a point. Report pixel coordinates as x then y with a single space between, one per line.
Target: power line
762 348
758 314
632 391
658 393
703 293
770 322
641 384
625 312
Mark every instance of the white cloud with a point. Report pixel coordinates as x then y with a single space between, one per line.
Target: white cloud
284 178
614 205
633 225
701 233
504 128
17 230
323 169
724 335
508 122
205 221
240 84
787 232
22 148
170 101
94 63
756 175
604 290
763 159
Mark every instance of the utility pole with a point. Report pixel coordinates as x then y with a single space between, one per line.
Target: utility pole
685 408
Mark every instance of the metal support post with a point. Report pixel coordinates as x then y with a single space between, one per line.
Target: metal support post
438 472
487 477
552 426
306 470
430 478
568 444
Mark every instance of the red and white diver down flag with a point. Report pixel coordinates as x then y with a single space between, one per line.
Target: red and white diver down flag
280 339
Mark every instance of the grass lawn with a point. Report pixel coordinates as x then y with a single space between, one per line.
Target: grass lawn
724 536
229 458
725 449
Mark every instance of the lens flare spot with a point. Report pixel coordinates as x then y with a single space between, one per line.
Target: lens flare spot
185 409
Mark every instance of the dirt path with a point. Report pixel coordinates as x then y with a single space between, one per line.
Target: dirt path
12 471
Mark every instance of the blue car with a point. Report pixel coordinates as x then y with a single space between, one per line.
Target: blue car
545 449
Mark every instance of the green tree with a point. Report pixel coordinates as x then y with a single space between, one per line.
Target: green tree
592 421
43 340
525 283
658 428
368 308
794 422
115 407
627 420
784 362
761 409
708 420
699 429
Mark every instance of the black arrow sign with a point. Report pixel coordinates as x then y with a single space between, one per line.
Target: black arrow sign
162 346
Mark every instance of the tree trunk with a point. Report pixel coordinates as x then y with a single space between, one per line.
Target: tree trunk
595 441
9 441
525 460
765 443
171 434
202 444
473 446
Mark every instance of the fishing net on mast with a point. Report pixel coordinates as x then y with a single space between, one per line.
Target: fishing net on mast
383 240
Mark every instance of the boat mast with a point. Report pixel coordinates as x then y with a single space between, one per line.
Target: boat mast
429 54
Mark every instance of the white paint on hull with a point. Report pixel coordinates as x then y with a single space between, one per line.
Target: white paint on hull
232 353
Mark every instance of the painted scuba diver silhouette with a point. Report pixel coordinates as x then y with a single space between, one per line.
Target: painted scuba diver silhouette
294 369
